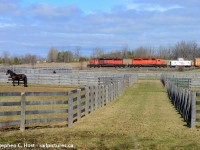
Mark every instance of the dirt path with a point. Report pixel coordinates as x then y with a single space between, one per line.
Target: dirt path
141 118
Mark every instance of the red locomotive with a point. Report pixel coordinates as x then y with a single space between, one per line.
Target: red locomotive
106 62
118 62
148 62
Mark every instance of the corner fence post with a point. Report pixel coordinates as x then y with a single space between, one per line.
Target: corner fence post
193 113
23 112
70 109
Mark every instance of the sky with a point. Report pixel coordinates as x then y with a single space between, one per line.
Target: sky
35 26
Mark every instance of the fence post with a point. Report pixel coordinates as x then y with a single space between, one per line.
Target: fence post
23 112
87 100
118 88
70 109
193 113
190 83
96 97
115 90
102 95
99 81
112 91
78 104
59 79
92 97
107 94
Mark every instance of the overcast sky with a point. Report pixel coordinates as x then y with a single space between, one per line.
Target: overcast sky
34 26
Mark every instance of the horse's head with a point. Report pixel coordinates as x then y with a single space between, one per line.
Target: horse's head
7 72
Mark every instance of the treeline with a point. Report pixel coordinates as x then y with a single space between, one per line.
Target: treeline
67 56
54 55
186 50
16 60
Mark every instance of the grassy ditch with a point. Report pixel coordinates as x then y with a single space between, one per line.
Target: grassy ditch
141 118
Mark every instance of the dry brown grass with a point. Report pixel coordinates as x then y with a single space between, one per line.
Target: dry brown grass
74 65
35 88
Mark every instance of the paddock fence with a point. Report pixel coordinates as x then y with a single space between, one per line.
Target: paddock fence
37 108
70 79
38 70
187 80
184 100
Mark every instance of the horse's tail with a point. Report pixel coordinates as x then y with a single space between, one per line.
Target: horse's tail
25 81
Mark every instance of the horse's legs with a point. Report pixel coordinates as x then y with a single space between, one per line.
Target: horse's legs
13 83
25 84
18 82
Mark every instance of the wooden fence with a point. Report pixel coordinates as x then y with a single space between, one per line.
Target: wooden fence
73 105
187 80
186 103
38 70
179 82
71 79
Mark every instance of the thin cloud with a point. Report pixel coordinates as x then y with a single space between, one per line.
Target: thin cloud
46 11
151 7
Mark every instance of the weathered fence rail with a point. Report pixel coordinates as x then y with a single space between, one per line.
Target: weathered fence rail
73 105
185 101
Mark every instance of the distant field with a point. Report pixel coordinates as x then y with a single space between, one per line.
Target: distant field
74 65
35 88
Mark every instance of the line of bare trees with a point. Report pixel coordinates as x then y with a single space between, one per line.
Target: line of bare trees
186 50
55 55
15 60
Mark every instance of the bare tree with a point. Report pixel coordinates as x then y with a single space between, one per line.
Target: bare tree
143 52
97 52
164 52
114 54
52 55
125 51
77 51
5 57
187 50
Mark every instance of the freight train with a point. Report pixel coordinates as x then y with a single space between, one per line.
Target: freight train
143 62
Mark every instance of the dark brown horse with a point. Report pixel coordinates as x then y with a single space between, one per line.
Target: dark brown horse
17 77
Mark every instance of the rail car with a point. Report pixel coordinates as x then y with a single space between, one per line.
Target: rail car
197 62
180 63
106 62
149 62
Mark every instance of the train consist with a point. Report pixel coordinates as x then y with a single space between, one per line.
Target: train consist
143 62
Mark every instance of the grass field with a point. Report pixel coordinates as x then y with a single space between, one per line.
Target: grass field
141 118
